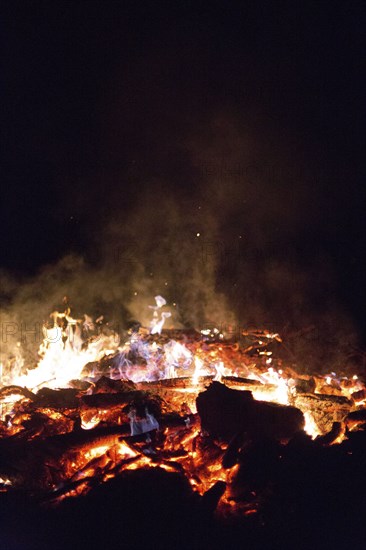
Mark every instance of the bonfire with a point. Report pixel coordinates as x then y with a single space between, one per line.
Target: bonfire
96 406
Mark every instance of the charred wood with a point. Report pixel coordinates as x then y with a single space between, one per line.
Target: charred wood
66 398
356 418
10 390
231 455
211 497
325 409
225 412
331 436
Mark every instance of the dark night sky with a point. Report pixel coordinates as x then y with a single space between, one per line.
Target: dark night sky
100 100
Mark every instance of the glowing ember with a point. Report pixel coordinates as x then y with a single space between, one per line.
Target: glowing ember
133 405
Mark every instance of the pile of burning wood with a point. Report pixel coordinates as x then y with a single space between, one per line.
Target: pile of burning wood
229 419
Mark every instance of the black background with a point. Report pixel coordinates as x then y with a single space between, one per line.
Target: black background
101 98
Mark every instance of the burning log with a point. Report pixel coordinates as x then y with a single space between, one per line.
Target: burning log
247 383
108 400
33 463
303 385
65 398
101 366
112 408
16 390
225 412
356 418
107 385
359 395
183 382
71 487
325 409
330 437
